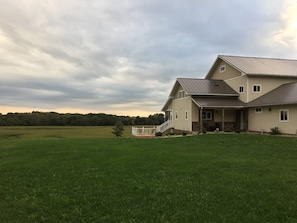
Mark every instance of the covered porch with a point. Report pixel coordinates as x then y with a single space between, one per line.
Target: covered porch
223 114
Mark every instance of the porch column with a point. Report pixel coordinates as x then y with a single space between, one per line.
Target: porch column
200 119
223 119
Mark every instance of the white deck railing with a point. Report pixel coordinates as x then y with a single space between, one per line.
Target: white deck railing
151 131
143 131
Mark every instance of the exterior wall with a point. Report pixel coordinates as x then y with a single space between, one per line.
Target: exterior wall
182 107
230 72
267 84
235 83
264 121
195 112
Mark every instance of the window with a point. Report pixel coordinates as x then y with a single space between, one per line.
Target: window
176 115
258 110
284 115
206 115
181 94
241 89
256 88
186 115
222 68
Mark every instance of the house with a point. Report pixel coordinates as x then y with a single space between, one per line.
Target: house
238 93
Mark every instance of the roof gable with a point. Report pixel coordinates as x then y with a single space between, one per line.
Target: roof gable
258 66
285 94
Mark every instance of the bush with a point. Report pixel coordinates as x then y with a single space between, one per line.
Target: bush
275 131
118 129
158 134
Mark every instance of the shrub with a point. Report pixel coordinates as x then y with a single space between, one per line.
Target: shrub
275 131
158 134
118 129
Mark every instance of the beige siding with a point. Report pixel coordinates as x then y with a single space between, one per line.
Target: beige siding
178 90
180 108
267 84
263 122
235 83
195 112
230 72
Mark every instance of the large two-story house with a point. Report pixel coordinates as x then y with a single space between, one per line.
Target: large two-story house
238 93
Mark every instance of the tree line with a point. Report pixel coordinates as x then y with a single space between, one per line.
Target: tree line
37 118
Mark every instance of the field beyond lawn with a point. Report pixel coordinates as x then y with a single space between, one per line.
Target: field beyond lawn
205 178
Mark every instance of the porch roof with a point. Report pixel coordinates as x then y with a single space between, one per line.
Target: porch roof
223 102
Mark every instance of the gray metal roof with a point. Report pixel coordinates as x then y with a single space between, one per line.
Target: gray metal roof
194 86
259 66
223 102
285 94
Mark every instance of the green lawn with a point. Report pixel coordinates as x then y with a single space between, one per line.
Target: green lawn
205 178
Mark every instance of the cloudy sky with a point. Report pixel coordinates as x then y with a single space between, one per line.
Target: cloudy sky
123 56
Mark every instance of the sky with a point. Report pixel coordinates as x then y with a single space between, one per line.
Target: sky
123 56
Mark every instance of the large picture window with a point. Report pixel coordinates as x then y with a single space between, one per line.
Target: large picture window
284 115
207 115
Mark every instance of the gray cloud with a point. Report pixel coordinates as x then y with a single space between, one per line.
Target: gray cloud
123 57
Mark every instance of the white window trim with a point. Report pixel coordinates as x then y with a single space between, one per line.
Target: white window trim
259 86
288 115
258 110
222 68
241 86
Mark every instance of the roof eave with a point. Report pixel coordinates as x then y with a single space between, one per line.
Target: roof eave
271 75
166 105
223 95
270 104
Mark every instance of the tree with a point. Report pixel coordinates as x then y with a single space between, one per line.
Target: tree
118 129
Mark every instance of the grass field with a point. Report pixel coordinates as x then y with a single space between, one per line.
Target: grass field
60 132
205 178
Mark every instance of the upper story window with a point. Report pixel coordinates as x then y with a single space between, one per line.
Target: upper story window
257 88
284 115
181 94
241 89
222 68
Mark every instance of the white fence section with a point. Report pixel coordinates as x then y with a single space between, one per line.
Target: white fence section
143 131
151 131
165 126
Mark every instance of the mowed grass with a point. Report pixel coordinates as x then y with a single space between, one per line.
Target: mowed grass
205 178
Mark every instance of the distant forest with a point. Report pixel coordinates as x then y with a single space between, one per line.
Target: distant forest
56 119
